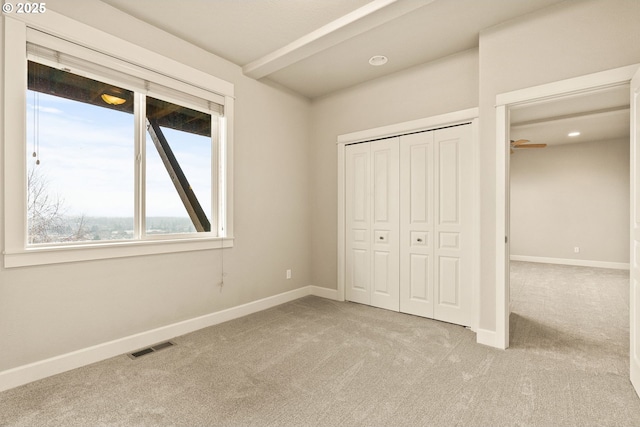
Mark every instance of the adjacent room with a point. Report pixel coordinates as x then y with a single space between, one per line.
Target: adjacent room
288 212
569 225
569 180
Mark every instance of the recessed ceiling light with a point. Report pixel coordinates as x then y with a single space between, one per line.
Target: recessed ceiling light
378 60
572 134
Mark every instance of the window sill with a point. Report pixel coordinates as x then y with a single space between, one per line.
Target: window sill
90 252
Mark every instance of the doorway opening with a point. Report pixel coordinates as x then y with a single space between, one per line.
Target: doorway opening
505 104
569 219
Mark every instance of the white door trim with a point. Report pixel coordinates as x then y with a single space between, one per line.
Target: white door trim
634 224
502 218
418 125
425 124
504 101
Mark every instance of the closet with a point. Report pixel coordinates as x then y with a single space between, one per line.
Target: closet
408 223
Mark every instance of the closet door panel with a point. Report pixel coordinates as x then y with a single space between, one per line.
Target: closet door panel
358 223
453 294
381 184
449 182
385 226
416 224
419 276
449 281
419 182
382 267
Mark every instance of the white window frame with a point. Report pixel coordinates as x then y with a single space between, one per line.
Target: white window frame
16 252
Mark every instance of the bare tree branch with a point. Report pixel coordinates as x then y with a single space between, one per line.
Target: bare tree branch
45 213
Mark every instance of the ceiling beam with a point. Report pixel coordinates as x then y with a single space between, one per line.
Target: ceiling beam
365 18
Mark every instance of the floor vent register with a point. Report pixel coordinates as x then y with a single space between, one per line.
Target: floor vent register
152 349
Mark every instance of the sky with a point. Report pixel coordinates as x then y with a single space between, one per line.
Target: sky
86 154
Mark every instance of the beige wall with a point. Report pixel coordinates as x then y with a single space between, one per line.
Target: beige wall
571 39
571 195
51 310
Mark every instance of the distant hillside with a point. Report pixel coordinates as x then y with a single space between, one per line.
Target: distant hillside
79 229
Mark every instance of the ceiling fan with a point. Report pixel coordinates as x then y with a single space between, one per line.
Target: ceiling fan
524 143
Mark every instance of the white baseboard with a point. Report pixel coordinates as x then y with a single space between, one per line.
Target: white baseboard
488 338
578 262
327 293
44 368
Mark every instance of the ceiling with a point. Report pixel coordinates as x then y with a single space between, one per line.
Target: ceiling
599 115
318 47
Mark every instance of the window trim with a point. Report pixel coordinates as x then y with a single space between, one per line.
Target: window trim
16 252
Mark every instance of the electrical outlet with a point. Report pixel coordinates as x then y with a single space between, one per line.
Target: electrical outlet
288 274
576 249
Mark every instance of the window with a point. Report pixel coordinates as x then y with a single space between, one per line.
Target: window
116 157
179 143
80 158
81 170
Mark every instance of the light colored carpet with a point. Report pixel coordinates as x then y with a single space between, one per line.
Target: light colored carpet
315 362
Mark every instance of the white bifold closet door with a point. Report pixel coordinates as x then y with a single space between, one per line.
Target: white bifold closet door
407 224
372 223
435 224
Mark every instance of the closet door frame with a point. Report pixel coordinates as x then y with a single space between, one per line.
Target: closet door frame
430 123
